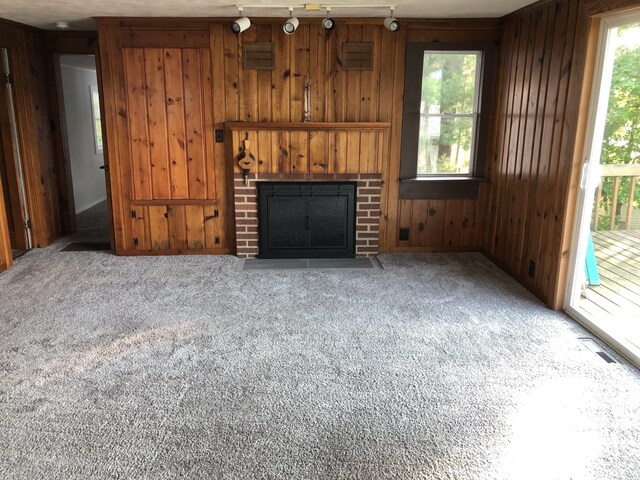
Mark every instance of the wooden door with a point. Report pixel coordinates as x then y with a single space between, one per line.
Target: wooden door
169 173
6 234
10 180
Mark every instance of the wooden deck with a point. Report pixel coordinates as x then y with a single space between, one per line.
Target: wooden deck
618 295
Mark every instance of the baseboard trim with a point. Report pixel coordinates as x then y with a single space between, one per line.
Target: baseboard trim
150 253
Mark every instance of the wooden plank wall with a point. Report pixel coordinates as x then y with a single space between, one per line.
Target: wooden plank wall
523 168
26 54
6 259
535 158
313 149
169 187
274 96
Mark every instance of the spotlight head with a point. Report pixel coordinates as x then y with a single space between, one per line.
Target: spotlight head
392 24
240 25
328 23
290 25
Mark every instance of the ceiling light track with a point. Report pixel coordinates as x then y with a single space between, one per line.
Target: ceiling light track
315 6
328 23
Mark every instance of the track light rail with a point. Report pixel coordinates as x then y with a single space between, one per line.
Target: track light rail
315 6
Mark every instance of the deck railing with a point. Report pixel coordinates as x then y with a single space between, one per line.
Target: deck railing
617 172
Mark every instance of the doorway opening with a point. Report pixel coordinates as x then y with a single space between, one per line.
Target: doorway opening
83 147
11 176
603 290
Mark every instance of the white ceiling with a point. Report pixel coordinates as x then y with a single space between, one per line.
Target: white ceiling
45 13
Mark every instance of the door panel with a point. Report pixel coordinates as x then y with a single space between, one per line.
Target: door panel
6 195
167 172
169 122
10 179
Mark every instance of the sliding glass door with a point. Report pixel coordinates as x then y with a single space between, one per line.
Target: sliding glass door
603 290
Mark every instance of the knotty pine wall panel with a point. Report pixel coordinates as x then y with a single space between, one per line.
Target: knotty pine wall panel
522 210
312 149
529 199
6 257
236 94
31 105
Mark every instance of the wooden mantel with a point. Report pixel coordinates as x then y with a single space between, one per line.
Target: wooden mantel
310 126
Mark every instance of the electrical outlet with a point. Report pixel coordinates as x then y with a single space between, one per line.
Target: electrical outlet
219 136
404 234
532 268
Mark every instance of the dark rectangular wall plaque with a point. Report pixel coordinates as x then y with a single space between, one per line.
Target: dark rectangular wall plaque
357 56
258 56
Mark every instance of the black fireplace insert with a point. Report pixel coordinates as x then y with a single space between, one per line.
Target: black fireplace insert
306 219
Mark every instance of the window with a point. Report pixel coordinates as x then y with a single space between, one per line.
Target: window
448 112
443 130
97 121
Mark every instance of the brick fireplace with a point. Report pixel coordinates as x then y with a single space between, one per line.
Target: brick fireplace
368 194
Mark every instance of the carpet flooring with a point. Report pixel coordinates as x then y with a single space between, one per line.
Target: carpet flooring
433 367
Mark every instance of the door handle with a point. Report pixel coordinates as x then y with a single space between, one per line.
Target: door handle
104 167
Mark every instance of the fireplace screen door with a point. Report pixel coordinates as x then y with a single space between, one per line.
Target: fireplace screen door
306 219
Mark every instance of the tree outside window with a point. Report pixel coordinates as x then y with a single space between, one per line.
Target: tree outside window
97 121
448 112
621 143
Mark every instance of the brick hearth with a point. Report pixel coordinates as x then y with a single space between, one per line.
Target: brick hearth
369 186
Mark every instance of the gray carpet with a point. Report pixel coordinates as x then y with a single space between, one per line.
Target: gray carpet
435 367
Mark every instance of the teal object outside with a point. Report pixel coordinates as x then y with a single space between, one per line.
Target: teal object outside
590 267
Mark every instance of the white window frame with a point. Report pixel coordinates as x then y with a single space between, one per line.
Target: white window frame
93 92
474 115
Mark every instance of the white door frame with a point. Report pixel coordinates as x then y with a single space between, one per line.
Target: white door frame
589 180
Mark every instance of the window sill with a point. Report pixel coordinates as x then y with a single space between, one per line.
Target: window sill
440 188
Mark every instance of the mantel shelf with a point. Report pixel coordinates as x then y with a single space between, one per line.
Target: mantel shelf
310 126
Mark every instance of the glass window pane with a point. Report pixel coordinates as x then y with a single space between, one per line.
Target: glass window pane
98 129
449 82
445 145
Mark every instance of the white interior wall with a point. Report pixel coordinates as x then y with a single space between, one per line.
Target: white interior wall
88 180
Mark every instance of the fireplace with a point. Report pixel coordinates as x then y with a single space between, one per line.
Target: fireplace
306 219
366 213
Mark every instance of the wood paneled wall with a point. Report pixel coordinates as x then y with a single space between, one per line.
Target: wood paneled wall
6 259
535 157
300 148
441 225
26 56
130 46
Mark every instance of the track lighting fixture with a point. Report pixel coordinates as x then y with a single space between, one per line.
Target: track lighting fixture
328 23
291 24
391 23
241 24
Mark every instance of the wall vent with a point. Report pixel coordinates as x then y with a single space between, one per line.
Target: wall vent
597 349
357 56
258 56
